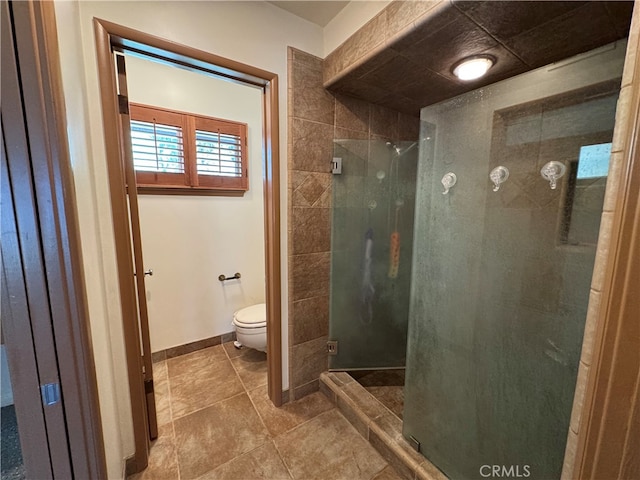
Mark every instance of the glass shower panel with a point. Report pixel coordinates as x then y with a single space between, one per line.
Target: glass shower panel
371 245
501 273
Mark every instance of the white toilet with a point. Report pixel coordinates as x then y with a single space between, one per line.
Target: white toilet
251 327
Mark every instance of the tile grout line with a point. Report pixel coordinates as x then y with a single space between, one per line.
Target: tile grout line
192 353
210 405
387 464
304 422
284 462
171 410
246 392
173 426
309 420
235 369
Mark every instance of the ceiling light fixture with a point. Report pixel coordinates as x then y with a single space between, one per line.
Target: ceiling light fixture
474 67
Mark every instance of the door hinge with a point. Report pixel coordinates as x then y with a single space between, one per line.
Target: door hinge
123 104
414 443
336 166
148 386
50 393
332 347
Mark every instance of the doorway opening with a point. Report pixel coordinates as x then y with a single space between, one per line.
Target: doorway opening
116 40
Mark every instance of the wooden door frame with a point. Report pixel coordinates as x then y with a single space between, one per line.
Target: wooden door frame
610 419
62 304
107 36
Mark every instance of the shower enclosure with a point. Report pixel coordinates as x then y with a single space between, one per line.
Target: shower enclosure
502 265
371 251
495 263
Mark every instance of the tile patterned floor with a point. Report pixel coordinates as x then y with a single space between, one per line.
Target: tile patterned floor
217 422
386 385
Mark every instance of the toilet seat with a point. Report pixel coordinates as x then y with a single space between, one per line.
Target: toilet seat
254 316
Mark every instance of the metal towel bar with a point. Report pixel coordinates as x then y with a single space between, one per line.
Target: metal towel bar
222 278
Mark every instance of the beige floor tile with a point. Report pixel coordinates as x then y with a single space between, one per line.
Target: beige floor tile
234 352
163 402
263 463
160 371
192 362
252 368
388 474
166 431
217 434
203 387
290 415
163 461
328 447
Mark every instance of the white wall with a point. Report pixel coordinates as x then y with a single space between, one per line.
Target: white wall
256 33
190 240
350 19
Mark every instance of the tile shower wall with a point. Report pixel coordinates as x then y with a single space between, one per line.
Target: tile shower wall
619 150
316 118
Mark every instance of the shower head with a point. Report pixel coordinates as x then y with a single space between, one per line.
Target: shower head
401 152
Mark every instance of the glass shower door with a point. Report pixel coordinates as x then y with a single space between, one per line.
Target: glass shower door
371 245
503 265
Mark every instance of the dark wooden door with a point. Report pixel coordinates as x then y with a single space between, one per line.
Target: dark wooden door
45 326
136 243
26 310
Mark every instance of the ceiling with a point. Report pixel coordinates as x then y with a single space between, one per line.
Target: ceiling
318 12
414 70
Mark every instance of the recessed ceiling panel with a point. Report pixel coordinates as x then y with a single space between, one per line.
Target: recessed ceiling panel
319 12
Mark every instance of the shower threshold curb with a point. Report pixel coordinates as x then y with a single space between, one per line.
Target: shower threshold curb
378 425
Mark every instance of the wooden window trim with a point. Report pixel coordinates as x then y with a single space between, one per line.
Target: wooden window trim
190 182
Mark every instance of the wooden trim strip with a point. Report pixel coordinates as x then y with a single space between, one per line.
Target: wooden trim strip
203 191
122 234
191 347
134 225
272 238
73 330
174 53
608 439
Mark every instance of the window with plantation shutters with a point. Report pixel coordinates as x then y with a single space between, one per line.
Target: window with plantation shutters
188 153
220 150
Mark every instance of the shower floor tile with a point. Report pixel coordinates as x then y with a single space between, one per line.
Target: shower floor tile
217 422
386 385
391 397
